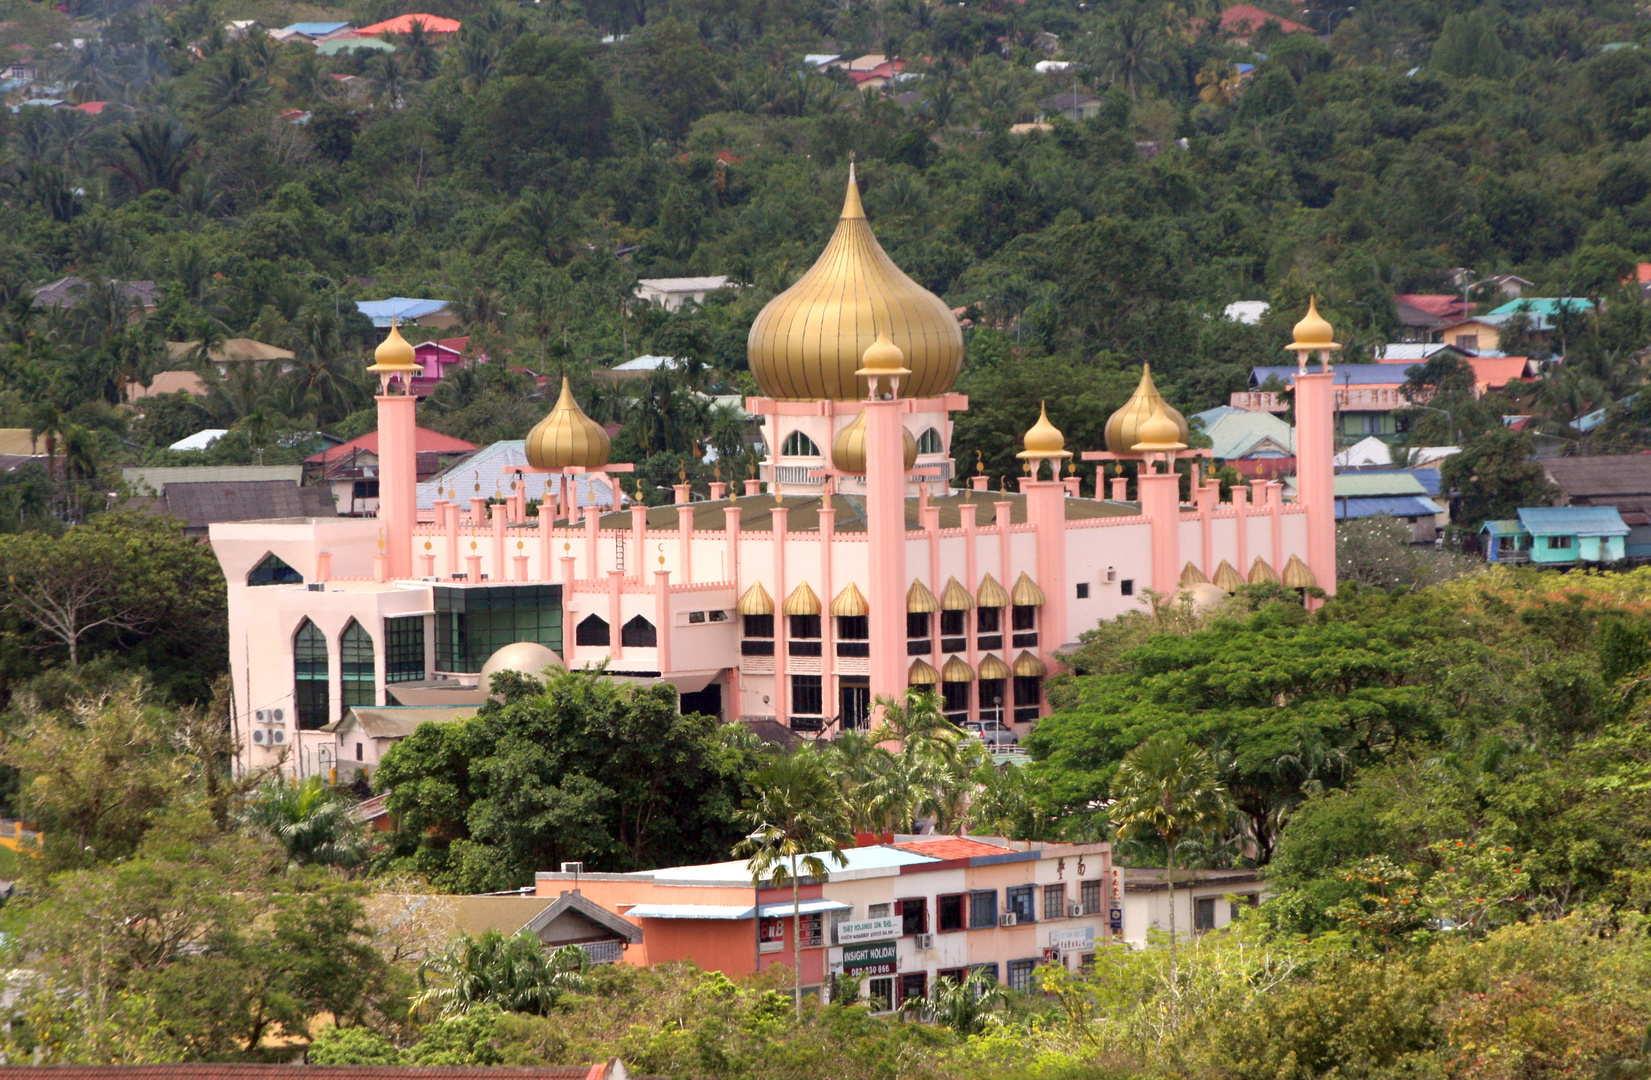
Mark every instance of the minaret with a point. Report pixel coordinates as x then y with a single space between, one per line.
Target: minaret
883 366
1316 443
1160 492
395 365
1046 512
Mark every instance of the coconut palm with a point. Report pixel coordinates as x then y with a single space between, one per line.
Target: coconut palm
968 1007
516 974
1132 50
420 48
313 822
1218 83
798 816
1169 789
154 155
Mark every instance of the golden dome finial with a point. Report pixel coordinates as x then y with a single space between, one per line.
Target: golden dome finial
1314 332
883 365
567 437
394 355
1123 428
1044 442
1159 433
808 343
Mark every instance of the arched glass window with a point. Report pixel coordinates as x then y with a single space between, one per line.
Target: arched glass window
309 691
799 445
930 442
592 630
639 633
273 571
355 647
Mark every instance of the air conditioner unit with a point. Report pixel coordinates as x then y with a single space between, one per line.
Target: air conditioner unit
277 736
573 868
278 714
925 941
1075 909
1008 918
260 737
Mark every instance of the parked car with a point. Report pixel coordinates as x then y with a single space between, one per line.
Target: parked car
991 732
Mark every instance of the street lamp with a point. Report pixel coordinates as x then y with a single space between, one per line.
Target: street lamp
334 285
1449 420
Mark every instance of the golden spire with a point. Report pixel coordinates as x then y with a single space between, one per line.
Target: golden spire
1314 331
807 343
1044 442
848 449
1123 429
394 356
1159 433
567 437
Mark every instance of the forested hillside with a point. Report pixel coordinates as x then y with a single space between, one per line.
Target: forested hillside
536 164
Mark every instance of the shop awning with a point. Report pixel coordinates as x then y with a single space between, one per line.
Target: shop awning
1191 575
993 668
955 597
691 911
1026 592
1261 572
956 671
991 594
850 603
1228 578
756 601
920 601
1298 575
807 907
802 601
921 673
1027 665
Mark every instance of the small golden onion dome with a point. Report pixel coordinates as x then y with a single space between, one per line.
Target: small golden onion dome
883 357
921 673
991 668
1043 439
1191 575
920 601
1123 428
848 449
1297 575
808 342
1228 578
1262 572
394 355
1159 433
1314 331
567 437
850 603
955 670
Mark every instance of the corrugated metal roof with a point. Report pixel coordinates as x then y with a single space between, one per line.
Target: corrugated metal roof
685 284
152 480
951 847
806 907
1235 433
1503 528
1402 506
1572 520
1383 482
1608 476
1542 305
403 308
1346 374
486 467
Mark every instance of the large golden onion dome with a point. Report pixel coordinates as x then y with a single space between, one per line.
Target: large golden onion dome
848 449
1123 430
567 437
807 343
394 355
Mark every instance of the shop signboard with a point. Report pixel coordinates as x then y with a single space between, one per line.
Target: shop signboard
849 933
1076 940
874 958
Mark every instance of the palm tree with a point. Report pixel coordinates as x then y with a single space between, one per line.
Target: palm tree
517 974
420 50
798 815
1168 788
154 155
315 824
968 1007
388 77
1218 83
1131 51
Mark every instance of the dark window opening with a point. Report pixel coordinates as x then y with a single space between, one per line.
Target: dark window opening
355 655
955 701
917 624
1021 901
1203 915
1089 897
1024 616
1083 590
854 701
914 987
1054 902
1126 586
806 696
592 630
953 623
758 626
949 912
1028 695
989 620
472 623
914 916
805 635
273 571
638 633
1020 974
991 699
982 909
311 702
852 633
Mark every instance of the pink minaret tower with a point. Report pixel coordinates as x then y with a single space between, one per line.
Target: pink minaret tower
1316 443
395 365
883 366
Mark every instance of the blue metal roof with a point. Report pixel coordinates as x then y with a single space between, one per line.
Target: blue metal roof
404 308
1428 478
1594 419
314 29
1504 528
1346 374
1399 506
1572 520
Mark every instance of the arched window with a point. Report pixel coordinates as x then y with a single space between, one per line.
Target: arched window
310 675
799 445
639 633
272 571
355 665
930 442
592 630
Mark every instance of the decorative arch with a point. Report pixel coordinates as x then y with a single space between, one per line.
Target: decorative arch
273 570
798 444
311 700
355 666
930 442
639 633
592 630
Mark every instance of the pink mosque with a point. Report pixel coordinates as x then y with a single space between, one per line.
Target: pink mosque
855 567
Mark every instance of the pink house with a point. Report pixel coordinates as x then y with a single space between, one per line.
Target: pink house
437 358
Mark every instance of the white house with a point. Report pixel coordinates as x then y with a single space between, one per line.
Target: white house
1205 900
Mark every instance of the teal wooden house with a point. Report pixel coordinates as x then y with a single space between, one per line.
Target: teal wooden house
1558 536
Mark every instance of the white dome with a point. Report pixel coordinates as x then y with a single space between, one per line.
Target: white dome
1203 595
525 657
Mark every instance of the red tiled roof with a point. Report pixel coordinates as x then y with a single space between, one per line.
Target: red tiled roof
1242 18
950 847
425 441
1491 372
195 1070
91 108
455 344
1439 305
403 24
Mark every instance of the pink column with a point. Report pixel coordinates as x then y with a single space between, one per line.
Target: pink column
1315 472
592 566
1005 511
639 540
731 536
478 510
828 589
1046 511
1161 503
473 565
452 527
753 488
662 617
684 542
568 630
428 559
719 491
1275 510
616 581
323 566
397 479
546 555
1120 488
1241 506
500 513
886 534
521 566
782 641
978 483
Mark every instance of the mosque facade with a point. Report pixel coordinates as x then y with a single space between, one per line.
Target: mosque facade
857 565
